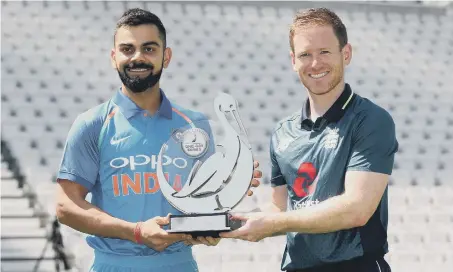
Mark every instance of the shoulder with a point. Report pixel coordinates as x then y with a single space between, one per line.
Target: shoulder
365 110
284 128
287 122
182 112
371 121
92 120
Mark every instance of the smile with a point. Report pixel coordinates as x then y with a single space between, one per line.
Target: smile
316 76
138 69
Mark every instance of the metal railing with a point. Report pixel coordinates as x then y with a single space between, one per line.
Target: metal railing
53 237
56 240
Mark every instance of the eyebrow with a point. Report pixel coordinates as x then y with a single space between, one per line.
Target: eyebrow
143 44
315 49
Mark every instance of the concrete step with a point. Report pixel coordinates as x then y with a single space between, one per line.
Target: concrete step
22 232
26 249
32 223
6 173
15 203
27 266
16 212
10 189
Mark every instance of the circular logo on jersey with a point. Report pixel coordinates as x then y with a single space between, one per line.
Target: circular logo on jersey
305 183
194 142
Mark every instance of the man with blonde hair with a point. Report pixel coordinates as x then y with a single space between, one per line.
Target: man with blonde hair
331 162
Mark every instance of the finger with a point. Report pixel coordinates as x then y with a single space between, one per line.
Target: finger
203 240
256 164
179 237
237 216
257 174
239 234
162 247
213 241
255 183
191 242
250 193
163 220
175 237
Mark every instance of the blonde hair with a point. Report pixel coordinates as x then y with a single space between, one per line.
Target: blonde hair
318 17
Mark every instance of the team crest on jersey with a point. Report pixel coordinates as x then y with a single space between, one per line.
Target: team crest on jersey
331 139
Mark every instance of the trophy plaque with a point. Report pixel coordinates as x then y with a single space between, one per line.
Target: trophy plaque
218 170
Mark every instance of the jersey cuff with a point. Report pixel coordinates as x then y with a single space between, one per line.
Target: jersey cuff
367 169
85 183
277 182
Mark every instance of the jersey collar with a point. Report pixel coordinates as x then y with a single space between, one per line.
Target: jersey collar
128 108
334 114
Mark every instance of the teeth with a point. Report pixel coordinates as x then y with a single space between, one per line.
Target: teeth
319 75
138 69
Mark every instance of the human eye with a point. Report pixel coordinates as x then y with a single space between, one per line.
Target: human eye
149 49
303 55
126 49
325 52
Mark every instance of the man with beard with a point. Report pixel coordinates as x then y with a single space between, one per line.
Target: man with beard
331 162
111 151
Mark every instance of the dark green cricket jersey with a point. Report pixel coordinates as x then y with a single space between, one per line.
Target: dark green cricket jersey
311 159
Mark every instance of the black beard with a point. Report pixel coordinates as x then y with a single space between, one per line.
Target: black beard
137 84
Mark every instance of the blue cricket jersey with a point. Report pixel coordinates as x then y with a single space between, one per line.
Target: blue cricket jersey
112 150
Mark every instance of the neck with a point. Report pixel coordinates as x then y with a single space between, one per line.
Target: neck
320 104
148 100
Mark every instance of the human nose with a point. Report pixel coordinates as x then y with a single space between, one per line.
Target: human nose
314 62
138 55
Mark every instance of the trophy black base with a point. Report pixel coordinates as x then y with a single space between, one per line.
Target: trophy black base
205 225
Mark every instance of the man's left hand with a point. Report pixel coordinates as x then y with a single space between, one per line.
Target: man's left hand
256 175
208 241
256 226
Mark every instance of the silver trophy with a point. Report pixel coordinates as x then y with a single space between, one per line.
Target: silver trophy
219 177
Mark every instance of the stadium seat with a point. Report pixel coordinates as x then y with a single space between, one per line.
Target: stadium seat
50 75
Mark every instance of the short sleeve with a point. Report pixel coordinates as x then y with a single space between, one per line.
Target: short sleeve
374 144
277 178
80 162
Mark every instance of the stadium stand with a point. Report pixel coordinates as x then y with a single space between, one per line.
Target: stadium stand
55 65
30 240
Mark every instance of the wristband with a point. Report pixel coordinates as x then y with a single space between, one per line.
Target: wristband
137 233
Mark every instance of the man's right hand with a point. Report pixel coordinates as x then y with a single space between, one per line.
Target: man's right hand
155 237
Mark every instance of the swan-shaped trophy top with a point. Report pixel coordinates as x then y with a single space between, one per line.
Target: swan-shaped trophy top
223 179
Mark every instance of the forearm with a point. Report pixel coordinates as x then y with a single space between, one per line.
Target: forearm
87 218
271 207
336 213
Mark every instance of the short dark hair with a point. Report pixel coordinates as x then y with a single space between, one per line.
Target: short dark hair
136 17
319 17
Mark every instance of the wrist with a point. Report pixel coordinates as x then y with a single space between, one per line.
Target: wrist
279 222
138 238
124 230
